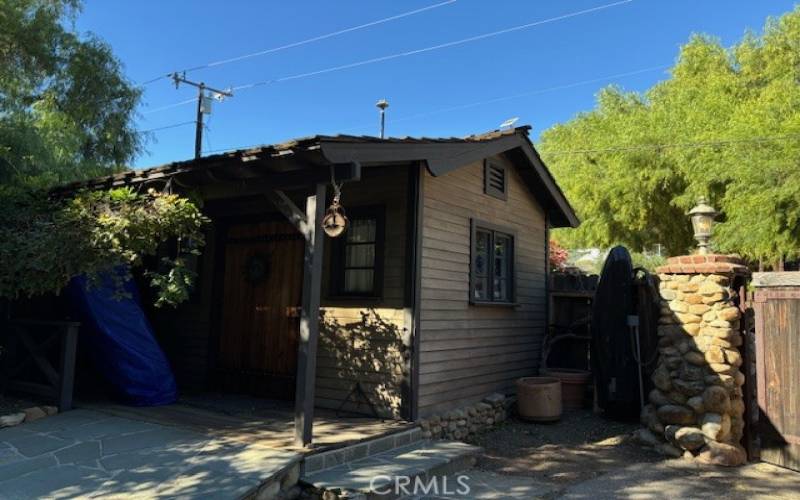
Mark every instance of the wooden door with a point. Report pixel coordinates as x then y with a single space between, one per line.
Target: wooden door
263 283
778 373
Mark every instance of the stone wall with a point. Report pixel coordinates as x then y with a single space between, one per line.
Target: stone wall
696 408
465 422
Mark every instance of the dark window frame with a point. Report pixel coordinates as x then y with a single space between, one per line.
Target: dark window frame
488 188
477 225
339 253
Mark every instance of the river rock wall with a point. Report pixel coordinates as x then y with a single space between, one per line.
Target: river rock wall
697 408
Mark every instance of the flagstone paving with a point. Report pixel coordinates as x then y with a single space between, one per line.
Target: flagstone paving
84 453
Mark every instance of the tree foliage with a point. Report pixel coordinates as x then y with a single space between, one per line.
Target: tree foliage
46 241
725 125
66 114
66 109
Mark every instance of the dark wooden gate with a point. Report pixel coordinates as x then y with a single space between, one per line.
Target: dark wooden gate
777 316
263 284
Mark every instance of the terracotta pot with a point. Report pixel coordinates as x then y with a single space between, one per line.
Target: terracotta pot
573 386
539 398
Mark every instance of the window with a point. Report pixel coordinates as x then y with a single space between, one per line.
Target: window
494 180
492 268
358 255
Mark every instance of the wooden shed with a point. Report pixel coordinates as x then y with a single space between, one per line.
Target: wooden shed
434 297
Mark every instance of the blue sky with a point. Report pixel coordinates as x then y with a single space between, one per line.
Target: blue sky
153 38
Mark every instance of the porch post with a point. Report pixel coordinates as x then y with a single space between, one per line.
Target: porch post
309 318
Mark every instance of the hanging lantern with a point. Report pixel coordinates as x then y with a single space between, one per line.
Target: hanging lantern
335 221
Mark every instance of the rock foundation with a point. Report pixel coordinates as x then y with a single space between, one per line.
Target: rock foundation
465 422
696 409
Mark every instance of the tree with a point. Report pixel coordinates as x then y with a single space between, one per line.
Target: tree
725 125
66 114
66 109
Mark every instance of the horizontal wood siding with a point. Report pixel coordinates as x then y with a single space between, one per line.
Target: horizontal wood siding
185 332
365 339
468 351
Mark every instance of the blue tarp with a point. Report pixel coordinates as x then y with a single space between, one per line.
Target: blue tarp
121 341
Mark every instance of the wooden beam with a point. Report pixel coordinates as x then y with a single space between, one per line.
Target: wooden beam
413 291
290 210
309 318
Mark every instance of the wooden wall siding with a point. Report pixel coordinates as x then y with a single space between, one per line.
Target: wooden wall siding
361 345
364 339
185 332
467 351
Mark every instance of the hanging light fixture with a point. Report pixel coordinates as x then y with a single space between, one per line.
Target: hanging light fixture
334 223
702 216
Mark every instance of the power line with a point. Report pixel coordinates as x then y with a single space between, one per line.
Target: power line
417 51
169 106
489 101
305 42
687 145
174 125
516 96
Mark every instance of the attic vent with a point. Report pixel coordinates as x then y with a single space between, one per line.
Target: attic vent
495 183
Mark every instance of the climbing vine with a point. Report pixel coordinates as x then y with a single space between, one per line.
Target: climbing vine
45 241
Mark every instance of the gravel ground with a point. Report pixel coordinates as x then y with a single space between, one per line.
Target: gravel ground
585 456
578 447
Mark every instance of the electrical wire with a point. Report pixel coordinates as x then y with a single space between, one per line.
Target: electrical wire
305 42
169 106
488 101
687 145
174 125
515 96
431 48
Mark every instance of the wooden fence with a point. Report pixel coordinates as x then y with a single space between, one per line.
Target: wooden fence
777 324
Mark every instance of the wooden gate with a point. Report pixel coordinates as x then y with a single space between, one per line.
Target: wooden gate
263 284
777 315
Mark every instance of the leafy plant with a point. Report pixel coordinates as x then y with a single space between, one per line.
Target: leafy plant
558 255
725 125
44 242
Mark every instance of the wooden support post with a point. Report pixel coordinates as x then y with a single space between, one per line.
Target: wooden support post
69 343
309 318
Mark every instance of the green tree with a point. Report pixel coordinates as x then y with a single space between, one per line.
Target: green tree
66 109
66 114
725 125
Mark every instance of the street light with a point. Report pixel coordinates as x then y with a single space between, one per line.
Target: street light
702 216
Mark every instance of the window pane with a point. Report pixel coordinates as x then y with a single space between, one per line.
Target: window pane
481 253
502 279
360 256
358 280
500 290
480 288
361 231
501 245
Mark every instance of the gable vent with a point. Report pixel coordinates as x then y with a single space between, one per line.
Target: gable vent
495 182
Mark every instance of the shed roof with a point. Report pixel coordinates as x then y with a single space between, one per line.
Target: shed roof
440 154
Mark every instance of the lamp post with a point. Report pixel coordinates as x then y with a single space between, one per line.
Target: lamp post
702 216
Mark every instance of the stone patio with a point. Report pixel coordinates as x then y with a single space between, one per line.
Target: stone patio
85 453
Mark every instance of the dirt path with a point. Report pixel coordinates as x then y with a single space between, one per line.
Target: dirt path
579 447
585 456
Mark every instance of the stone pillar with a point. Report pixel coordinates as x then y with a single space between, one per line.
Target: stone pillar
696 408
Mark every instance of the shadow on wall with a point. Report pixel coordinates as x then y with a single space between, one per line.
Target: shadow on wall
366 350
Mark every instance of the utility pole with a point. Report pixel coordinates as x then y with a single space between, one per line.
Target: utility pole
203 106
382 105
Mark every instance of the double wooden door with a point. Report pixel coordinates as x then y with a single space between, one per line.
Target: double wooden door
263 282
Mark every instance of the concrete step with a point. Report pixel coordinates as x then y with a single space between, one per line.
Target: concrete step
383 475
325 460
